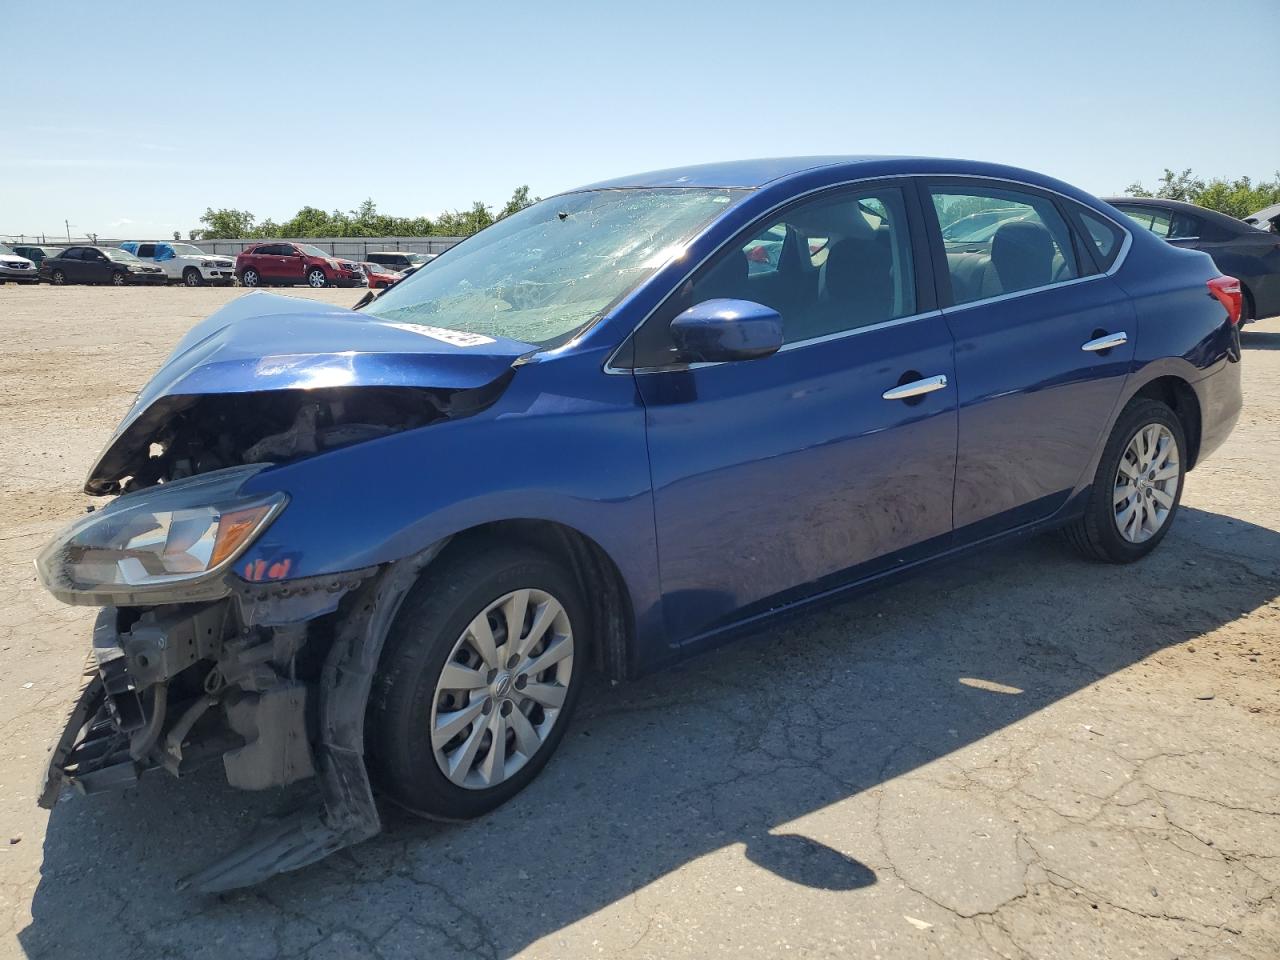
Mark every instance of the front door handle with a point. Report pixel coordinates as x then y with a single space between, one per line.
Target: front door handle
916 388
1106 342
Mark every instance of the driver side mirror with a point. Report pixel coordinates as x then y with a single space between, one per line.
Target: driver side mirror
717 331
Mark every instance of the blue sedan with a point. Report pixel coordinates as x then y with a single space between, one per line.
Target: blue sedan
383 546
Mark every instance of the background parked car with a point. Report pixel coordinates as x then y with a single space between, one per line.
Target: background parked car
1238 249
380 276
400 259
36 254
98 265
283 264
1268 219
183 261
15 268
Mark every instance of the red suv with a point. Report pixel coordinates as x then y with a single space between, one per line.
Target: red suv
275 264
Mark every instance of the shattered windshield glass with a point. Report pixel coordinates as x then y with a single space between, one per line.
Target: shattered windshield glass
542 273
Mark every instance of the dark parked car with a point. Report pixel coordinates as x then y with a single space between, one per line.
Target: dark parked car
98 265
1239 249
36 254
1267 219
400 260
289 264
385 545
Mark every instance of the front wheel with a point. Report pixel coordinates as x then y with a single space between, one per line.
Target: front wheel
316 278
118 279
1137 487
482 670
191 277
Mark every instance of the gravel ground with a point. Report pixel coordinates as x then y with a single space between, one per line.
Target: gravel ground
1024 756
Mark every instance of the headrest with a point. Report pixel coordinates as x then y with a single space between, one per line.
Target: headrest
858 266
1022 254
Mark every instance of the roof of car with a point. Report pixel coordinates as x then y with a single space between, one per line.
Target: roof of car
1213 216
732 173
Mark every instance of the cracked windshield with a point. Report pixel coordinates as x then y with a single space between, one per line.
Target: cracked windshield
544 272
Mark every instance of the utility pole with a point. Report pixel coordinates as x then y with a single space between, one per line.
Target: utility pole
67 224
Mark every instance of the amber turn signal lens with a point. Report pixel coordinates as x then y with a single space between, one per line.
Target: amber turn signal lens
233 529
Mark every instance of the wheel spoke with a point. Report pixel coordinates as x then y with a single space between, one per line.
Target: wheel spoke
481 635
557 650
449 725
527 741
1123 493
1130 470
493 766
1168 473
543 617
516 608
1125 517
462 759
1162 498
547 694
455 676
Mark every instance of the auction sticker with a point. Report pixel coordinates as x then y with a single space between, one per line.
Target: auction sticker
456 337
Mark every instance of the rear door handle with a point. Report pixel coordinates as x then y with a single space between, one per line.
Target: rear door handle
916 388
1106 343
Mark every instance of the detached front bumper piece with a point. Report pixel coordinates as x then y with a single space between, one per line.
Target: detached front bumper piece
274 679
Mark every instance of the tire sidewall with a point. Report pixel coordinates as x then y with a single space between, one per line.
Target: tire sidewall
1102 509
421 639
191 277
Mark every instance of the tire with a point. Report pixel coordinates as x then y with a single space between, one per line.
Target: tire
316 278
1109 531
431 632
118 279
58 277
191 277
250 278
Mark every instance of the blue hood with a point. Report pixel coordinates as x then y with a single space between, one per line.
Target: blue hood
265 342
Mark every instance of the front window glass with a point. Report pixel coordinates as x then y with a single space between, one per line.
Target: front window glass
541 274
311 251
187 250
5 250
120 256
1001 241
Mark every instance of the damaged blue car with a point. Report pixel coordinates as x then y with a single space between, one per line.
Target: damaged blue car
379 548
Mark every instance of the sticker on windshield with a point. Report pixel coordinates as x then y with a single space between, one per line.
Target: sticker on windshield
456 337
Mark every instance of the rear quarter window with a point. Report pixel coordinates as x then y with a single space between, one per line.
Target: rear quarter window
1104 235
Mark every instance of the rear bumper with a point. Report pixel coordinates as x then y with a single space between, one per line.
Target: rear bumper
1221 399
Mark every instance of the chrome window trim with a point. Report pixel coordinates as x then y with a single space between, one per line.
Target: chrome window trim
1125 244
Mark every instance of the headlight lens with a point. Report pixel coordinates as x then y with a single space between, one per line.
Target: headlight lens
178 532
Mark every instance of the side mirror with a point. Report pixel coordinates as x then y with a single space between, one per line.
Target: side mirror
716 331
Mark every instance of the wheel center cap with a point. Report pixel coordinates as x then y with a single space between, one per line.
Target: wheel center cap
502 687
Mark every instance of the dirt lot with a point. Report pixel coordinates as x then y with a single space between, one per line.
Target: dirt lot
1026 756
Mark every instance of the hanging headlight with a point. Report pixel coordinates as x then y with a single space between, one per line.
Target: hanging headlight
179 535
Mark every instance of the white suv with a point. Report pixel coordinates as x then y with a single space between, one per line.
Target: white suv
184 262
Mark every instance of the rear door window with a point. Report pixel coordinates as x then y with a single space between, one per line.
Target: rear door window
1001 240
145 250
72 254
1154 219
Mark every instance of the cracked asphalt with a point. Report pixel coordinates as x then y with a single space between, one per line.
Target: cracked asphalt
1023 756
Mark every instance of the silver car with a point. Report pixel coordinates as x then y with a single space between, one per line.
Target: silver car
16 269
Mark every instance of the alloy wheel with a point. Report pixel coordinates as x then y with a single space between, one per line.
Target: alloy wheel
316 278
59 277
250 278
1146 483
117 279
191 278
502 688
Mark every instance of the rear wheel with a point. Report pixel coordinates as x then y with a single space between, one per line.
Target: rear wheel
1137 487
482 670
250 278
191 277
316 278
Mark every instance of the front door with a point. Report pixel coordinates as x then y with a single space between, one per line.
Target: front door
1032 319
834 458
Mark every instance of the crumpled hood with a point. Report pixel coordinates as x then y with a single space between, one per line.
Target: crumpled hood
262 342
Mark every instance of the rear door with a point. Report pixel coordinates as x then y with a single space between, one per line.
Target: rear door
780 478
1031 311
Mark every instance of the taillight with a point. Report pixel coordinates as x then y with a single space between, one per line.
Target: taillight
1226 290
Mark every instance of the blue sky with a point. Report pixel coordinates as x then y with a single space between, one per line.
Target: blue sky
138 116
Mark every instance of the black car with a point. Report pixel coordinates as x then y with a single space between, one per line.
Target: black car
98 265
1238 249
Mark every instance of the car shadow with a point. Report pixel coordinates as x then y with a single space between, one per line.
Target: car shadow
729 748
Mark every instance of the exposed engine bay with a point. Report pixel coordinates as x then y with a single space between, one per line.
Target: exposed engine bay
181 436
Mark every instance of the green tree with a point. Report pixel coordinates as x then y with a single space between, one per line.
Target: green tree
1236 198
226 224
519 200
